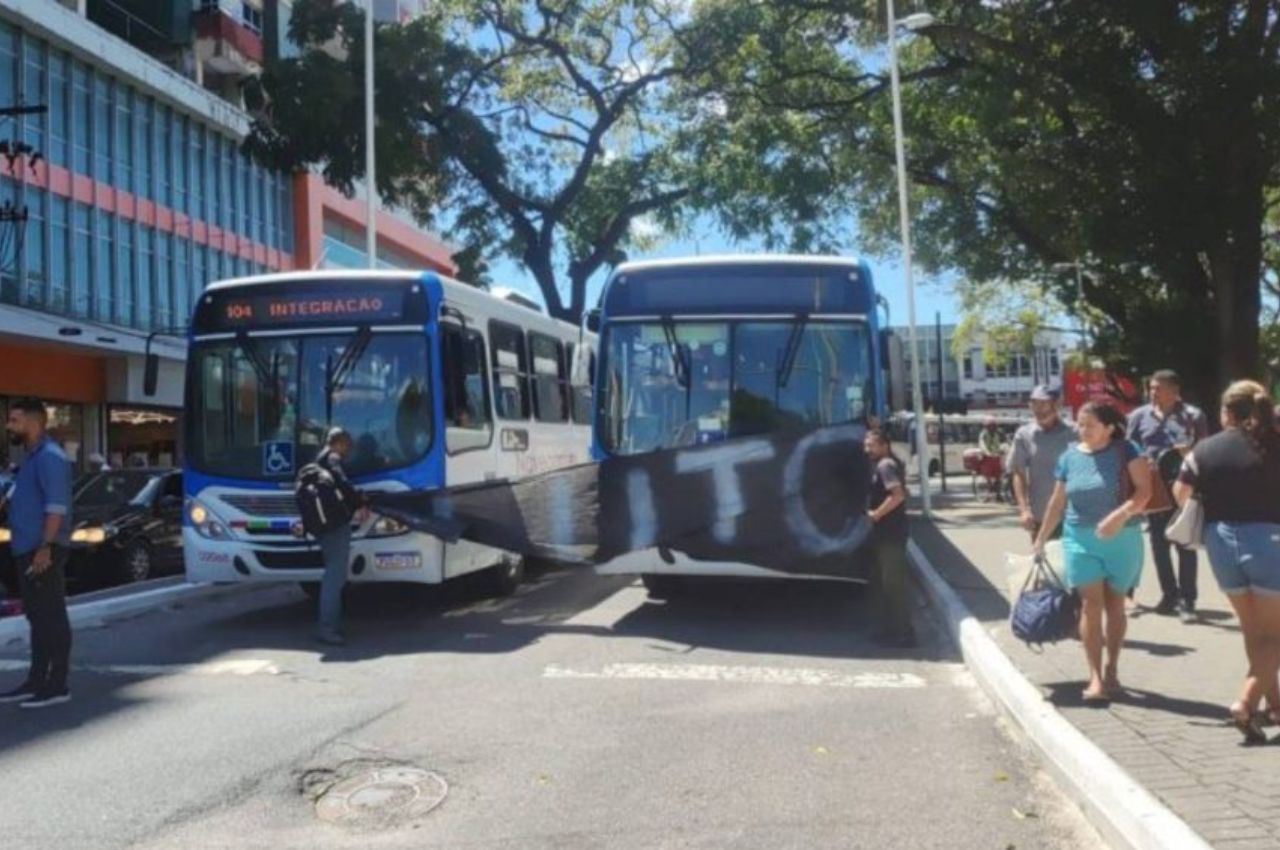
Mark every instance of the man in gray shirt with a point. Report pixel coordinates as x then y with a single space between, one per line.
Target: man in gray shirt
1036 449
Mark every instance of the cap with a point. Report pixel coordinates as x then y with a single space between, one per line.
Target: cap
1044 392
336 434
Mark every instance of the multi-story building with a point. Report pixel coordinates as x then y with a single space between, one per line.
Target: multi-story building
141 197
1007 382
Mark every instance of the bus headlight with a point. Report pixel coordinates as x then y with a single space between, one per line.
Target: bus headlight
205 523
385 526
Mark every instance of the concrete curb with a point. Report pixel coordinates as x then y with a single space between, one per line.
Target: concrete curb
95 611
1126 813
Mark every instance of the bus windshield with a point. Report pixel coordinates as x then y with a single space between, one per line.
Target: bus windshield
671 384
249 393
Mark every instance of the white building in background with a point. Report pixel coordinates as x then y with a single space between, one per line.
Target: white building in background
971 378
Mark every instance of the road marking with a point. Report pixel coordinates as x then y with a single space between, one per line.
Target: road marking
748 675
228 667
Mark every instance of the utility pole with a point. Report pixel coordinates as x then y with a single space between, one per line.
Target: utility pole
370 168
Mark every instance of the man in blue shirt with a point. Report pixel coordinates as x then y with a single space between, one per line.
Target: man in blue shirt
40 529
1168 424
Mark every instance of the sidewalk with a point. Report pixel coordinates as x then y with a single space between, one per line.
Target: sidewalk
1170 732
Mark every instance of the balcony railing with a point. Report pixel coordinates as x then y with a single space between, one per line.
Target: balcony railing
216 21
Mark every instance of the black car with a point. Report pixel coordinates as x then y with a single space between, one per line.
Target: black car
127 526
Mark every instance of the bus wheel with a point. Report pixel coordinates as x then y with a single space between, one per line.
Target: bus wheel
659 585
504 578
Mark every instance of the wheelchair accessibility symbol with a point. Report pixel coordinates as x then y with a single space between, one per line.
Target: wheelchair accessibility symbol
277 458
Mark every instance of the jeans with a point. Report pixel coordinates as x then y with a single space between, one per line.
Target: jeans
1184 586
1244 556
44 599
336 547
893 581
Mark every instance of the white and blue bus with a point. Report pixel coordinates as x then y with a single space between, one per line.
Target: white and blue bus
438 383
694 351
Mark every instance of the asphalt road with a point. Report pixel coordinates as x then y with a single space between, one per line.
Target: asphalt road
577 714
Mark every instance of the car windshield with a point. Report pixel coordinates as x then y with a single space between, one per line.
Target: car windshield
260 407
671 384
109 489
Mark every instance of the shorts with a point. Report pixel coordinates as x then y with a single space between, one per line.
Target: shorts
1244 555
1116 560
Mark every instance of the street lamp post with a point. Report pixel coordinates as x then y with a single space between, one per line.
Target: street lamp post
911 22
370 176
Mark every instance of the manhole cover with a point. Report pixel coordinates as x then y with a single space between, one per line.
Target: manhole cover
382 795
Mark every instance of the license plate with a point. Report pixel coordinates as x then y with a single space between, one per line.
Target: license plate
397 561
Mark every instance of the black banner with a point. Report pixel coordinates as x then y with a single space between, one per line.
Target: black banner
793 503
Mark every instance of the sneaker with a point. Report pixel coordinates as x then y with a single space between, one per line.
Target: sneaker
22 693
1167 607
1187 612
46 698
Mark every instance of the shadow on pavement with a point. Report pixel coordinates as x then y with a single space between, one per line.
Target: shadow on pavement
1162 650
1070 695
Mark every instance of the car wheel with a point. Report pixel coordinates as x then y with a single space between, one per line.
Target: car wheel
504 578
135 562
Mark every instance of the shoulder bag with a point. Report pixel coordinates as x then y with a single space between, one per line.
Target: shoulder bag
1161 499
1186 529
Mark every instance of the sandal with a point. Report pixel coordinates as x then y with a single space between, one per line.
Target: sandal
1249 724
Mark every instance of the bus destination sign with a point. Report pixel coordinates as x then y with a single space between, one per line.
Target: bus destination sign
234 310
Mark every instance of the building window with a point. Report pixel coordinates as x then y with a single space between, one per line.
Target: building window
33 249
1055 364
968 366
180 160
81 261
124 139
163 136
199 270
102 277
230 189
163 317
213 156
59 254
142 149
181 282
146 276
196 150
34 91
8 63
124 274
102 128
284 218
59 107
245 201
81 117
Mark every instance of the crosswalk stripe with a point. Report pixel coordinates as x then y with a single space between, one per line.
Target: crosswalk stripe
740 674
225 667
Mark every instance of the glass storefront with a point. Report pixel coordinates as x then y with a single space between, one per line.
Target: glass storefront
66 425
141 436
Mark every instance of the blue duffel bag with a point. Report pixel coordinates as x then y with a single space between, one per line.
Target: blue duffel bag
1045 612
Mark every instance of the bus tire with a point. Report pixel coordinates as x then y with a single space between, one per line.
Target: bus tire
660 585
505 577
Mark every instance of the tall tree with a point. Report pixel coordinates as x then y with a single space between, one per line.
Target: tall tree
545 128
1141 138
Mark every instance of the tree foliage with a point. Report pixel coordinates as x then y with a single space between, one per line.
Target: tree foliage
1141 138
546 129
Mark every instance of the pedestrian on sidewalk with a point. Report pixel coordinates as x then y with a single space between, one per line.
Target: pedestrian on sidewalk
888 514
1237 476
40 534
335 543
1101 542
991 444
1169 425
1037 446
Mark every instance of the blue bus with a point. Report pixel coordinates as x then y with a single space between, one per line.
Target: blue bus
693 351
438 383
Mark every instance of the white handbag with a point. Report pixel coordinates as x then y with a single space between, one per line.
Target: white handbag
1186 528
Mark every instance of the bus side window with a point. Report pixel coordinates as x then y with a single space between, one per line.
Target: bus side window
582 395
549 379
510 371
466 391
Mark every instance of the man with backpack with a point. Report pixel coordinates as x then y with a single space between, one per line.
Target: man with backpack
327 502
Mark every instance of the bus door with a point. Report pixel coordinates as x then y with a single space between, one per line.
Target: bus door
470 445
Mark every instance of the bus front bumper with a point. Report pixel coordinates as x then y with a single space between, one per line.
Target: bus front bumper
411 557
